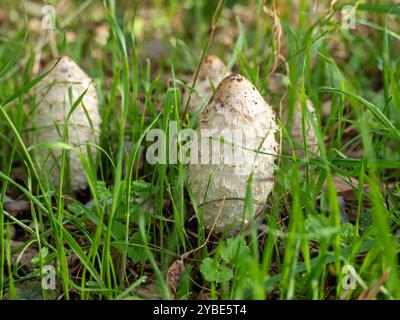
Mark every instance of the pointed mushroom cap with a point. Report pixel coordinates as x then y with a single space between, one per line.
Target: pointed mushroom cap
53 105
297 130
211 71
66 75
237 107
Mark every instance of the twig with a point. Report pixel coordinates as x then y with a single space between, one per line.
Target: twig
277 31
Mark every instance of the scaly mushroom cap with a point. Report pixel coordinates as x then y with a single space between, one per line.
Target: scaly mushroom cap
211 71
54 104
236 111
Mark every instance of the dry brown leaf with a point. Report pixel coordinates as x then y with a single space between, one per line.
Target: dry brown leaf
178 266
343 188
174 273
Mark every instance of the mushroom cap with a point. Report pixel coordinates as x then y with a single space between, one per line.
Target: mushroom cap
297 131
211 71
236 110
53 94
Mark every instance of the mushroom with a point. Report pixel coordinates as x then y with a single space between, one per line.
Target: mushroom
238 113
56 94
297 131
210 74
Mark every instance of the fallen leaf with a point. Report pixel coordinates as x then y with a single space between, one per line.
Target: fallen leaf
174 274
178 266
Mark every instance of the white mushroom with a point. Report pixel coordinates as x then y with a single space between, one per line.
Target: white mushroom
210 74
55 95
237 111
297 131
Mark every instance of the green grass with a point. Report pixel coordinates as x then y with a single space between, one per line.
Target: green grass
142 219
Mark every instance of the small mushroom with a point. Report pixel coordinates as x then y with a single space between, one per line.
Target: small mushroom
238 110
297 131
56 94
210 74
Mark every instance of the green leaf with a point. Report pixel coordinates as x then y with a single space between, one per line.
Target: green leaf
118 230
225 274
210 270
213 271
234 249
347 233
137 254
318 228
135 248
103 192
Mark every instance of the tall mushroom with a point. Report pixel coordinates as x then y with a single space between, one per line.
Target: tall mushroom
297 131
56 94
238 113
